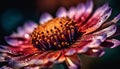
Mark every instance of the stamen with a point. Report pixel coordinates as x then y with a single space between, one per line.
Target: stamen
55 34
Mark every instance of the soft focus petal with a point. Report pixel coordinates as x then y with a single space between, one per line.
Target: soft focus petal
81 9
29 27
73 62
61 12
25 30
45 17
72 12
20 31
6 67
15 41
32 67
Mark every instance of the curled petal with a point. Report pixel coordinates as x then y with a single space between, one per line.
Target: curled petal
111 43
45 17
117 18
61 12
53 56
117 31
95 52
73 62
61 58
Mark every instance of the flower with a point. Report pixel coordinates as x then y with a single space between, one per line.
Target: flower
60 39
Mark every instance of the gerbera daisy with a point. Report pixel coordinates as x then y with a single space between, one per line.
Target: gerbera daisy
61 39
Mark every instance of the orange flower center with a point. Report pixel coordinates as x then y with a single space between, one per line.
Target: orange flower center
56 34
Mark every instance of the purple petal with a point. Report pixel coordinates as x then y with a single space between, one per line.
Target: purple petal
6 67
100 11
21 31
89 6
29 27
117 31
34 67
61 12
14 41
117 18
70 51
109 31
45 17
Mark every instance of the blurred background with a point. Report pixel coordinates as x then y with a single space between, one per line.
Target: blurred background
14 13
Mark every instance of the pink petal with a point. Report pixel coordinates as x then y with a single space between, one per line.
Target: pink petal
72 12
53 56
84 11
32 59
98 18
80 11
45 17
61 12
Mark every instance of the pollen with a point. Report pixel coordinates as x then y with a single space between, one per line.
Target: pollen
55 34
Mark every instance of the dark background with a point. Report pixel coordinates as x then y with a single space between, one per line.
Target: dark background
13 13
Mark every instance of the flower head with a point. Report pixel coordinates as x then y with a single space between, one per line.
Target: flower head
61 39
